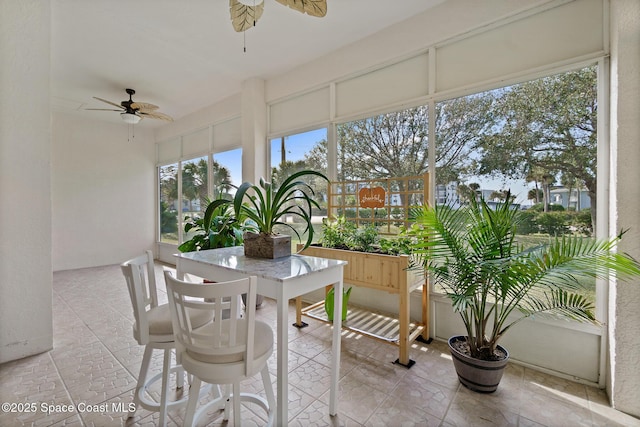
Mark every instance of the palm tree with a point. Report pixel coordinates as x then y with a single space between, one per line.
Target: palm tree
221 180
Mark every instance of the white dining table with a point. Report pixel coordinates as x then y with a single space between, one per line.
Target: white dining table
281 279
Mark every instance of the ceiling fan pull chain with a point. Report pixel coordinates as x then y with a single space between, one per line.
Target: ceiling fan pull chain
131 132
244 33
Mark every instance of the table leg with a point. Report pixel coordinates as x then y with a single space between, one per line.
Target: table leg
335 349
282 382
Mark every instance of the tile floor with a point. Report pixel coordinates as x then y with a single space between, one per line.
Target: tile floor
95 362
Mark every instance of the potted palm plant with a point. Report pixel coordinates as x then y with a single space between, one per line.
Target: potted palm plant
268 207
494 282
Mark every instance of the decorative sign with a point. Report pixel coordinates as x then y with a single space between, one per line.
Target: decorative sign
371 197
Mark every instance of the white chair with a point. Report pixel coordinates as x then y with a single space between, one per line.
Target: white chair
153 329
232 348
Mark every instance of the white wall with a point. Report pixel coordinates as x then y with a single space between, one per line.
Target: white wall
624 299
104 191
25 210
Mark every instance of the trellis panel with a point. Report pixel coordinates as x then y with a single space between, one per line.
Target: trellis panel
401 194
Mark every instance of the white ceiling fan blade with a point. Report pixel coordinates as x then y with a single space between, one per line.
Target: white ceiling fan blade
102 109
244 17
316 8
109 102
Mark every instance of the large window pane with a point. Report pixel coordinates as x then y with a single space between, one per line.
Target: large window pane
227 172
194 188
535 139
303 151
168 178
194 185
390 145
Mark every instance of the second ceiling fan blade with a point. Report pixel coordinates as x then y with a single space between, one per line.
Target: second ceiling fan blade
102 109
109 102
143 106
316 8
155 115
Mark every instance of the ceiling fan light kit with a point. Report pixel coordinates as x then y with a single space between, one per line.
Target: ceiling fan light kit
129 118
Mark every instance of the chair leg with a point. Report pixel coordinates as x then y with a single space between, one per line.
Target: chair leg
164 396
179 371
236 403
194 396
227 404
268 389
142 378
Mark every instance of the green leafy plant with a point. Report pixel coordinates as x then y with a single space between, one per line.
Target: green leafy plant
400 245
473 255
363 239
218 228
340 233
268 206
336 233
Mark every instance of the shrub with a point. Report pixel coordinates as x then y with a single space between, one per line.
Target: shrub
553 223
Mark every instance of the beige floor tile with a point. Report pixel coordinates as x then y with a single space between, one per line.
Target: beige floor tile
396 412
471 408
554 412
380 375
309 345
348 360
317 415
356 400
295 360
312 377
429 396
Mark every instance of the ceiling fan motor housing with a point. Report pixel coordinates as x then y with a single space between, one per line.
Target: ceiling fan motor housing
127 104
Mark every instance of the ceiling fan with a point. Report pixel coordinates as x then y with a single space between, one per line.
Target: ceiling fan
245 13
132 111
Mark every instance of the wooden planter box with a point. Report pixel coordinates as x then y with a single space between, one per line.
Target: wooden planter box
386 273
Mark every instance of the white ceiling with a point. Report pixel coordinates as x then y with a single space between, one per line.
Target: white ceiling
184 55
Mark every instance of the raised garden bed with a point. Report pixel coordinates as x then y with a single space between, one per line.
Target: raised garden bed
386 273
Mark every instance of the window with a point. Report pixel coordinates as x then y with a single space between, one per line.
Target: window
390 145
290 154
168 179
195 194
194 185
226 172
536 139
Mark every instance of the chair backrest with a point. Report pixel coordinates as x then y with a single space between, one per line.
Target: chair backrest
141 282
230 337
